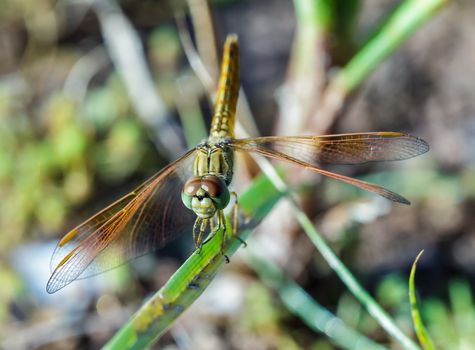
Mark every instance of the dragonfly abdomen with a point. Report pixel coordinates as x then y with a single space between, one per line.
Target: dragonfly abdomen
222 124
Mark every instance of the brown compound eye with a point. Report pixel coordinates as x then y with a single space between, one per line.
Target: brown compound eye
217 191
213 186
192 186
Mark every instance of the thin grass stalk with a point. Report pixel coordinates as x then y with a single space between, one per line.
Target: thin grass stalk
306 71
371 305
120 37
421 331
188 107
401 24
203 25
300 303
345 275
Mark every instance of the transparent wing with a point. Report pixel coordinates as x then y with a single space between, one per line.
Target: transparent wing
341 149
310 151
144 220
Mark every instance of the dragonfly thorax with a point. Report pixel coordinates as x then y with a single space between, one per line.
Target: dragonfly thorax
214 158
205 195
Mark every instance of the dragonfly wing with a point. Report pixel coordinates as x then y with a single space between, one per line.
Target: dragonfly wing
341 149
309 151
144 220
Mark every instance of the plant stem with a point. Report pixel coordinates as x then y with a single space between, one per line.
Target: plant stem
306 308
195 274
421 331
407 18
337 265
371 305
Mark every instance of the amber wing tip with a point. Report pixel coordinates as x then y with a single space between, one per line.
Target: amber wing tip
67 237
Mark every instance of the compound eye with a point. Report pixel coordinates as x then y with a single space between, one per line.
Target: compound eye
213 185
192 186
217 190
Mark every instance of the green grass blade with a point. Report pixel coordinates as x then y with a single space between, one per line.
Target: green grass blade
373 308
333 20
192 278
399 26
306 308
421 332
192 120
408 17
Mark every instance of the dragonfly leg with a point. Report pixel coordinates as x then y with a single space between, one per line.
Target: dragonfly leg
199 229
235 218
195 229
222 226
203 226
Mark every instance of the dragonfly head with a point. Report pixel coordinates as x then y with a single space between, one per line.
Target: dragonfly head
205 195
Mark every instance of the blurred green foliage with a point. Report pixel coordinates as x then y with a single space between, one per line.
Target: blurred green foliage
55 150
48 159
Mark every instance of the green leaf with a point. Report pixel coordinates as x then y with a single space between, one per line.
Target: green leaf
402 23
300 303
421 332
192 278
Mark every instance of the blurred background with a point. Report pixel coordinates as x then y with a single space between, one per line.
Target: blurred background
97 96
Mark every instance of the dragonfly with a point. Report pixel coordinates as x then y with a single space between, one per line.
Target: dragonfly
190 194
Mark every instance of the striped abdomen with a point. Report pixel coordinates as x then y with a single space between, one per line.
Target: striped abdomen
222 124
